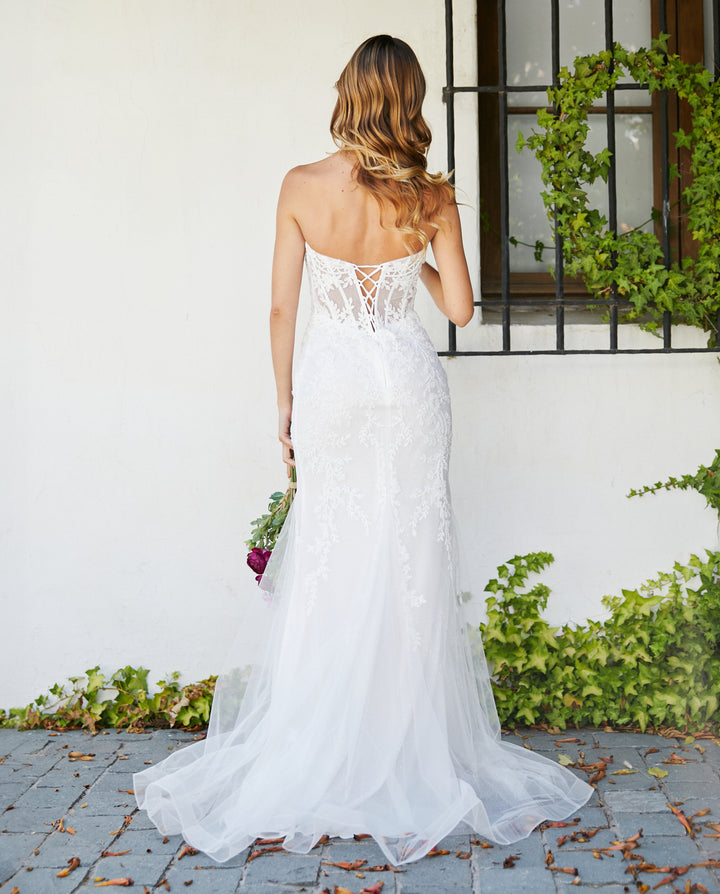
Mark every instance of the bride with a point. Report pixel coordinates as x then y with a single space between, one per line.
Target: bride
369 713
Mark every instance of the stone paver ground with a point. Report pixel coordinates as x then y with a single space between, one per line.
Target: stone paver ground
45 792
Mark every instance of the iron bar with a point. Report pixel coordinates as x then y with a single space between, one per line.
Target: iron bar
449 99
504 181
612 170
665 180
559 260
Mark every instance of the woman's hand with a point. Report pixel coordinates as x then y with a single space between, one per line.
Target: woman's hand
285 420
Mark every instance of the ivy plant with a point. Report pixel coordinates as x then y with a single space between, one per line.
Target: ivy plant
631 264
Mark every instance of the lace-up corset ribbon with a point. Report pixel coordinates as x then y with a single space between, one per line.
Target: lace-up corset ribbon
366 296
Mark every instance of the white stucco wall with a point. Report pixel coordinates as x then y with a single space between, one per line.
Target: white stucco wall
143 147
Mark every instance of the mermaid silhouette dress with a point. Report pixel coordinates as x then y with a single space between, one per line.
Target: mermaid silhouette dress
369 713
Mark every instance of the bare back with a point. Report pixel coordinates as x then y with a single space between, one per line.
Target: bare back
337 217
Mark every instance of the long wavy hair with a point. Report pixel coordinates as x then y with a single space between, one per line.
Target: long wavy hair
378 117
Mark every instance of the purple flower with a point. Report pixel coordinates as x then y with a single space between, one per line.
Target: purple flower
257 559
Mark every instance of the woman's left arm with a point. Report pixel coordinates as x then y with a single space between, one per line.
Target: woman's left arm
286 279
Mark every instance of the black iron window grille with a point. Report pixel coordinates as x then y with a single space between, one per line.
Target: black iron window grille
497 295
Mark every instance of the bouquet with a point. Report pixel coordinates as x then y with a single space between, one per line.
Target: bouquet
265 530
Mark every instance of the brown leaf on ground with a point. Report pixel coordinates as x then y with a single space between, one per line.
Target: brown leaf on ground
15 890
261 851
373 889
572 739
596 777
126 822
383 867
561 840
73 864
115 882
356 864
259 841
682 819
549 858
187 851
568 870
361 836
437 852
462 855
510 861
115 853
126 791
701 813
559 825
651 751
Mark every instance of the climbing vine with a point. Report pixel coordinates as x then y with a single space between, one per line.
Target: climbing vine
632 262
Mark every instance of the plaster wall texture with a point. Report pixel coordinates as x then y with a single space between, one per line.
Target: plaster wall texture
143 149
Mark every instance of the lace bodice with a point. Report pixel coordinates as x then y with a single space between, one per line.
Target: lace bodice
369 296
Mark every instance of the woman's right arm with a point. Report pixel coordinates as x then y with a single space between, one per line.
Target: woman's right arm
450 285
286 279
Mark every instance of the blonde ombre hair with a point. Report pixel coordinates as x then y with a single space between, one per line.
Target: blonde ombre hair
378 117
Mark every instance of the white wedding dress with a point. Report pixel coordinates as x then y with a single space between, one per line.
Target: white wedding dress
370 713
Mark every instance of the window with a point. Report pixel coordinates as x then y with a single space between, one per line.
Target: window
520 48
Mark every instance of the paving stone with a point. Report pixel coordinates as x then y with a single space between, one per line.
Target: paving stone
14 849
26 742
677 787
276 889
411 888
44 880
591 870
27 819
635 802
517 880
651 824
10 792
143 869
367 849
141 841
237 862
284 869
60 799
108 804
629 740
442 872
602 838
206 881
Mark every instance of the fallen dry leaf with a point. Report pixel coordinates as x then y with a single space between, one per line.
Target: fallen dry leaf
462 855
73 864
623 772
263 850
189 851
356 864
260 841
558 825
682 819
115 853
383 867
373 889
360 836
568 870
565 760
127 791
436 852
572 739
116 882
126 822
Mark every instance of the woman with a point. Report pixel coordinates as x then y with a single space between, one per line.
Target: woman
369 714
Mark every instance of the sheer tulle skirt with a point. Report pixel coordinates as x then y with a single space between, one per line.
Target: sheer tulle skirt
370 713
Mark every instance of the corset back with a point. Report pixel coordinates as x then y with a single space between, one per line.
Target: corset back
366 296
